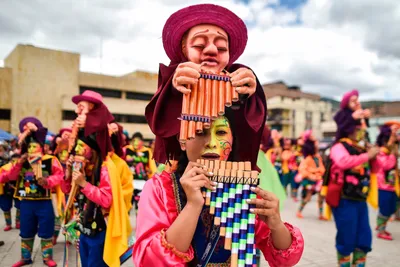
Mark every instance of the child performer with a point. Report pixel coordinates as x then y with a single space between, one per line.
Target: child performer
7 196
102 214
294 164
274 152
173 226
36 174
349 183
385 168
311 170
286 156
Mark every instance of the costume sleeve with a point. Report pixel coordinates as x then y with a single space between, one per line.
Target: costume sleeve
151 247
11 174
101 195
276 257
5 172
341 157
387 162
57 174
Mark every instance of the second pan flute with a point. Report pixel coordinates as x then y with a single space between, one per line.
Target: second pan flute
206 101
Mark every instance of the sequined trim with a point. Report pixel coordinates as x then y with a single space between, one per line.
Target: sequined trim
176 193
185 256
284 253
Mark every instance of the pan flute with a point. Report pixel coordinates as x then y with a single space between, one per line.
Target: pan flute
230 209
207 101
78 165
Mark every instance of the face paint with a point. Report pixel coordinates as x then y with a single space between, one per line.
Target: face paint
137 143
34 148
83 107
83 149
63 156
360 134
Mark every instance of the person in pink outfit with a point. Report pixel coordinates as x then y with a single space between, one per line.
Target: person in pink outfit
174 227
385 167
348 183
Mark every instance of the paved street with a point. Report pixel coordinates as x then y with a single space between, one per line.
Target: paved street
319 242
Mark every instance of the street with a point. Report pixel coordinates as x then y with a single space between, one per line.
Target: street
319 242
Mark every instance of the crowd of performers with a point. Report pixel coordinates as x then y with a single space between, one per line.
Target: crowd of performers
81 180
351 172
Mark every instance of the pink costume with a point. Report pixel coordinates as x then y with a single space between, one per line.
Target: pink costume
342 160
100 195
159 209
384 162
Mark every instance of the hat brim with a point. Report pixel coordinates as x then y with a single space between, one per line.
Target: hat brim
391 123
78 98
181 21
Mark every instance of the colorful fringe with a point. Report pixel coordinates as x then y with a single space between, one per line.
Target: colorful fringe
47 249
57 226
381 222
359 258
344 261
17 216
7 217
26 248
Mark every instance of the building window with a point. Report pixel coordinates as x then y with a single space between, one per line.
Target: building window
127 118
138 96
104 92
68 115
5 114
322 117
308 120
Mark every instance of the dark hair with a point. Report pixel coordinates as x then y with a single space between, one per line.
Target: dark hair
137 135
384 135
308 148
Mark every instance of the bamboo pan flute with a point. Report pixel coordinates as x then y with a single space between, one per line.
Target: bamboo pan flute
230 209
207 101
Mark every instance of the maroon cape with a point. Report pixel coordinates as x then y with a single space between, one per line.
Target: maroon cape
165 108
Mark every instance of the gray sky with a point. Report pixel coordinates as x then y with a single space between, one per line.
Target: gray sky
324 46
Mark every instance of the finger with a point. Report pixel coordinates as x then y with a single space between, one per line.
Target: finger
265 212
263 194
184 80
260 203
236 72
243 90
188 72
190 65
202 183
249 81
243 74
183 89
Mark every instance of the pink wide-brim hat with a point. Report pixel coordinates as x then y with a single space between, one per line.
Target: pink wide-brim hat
346 98
184 19
89 96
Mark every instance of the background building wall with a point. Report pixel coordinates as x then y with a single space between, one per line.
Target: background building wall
5 98
40 77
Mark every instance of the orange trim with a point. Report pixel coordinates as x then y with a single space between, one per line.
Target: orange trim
171 247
